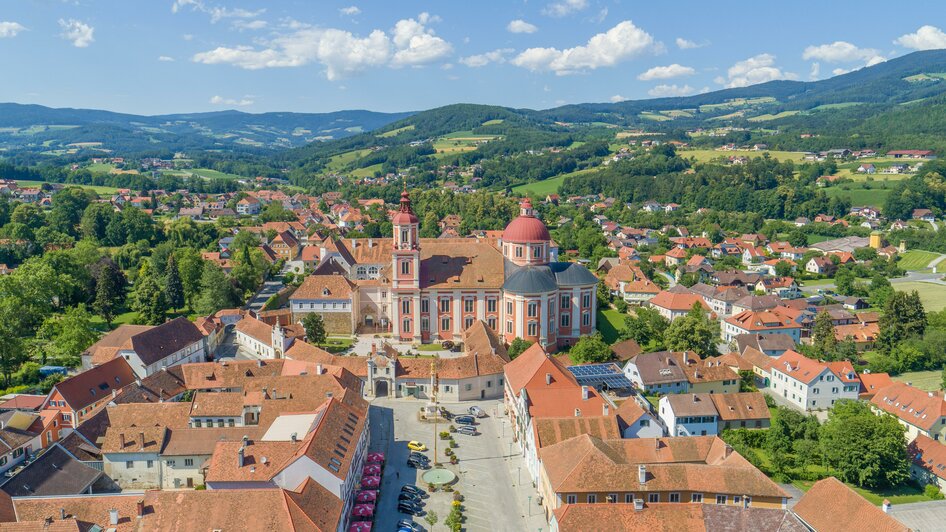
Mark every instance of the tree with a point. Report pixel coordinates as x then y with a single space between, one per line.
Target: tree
173 288
68 335
12 354
865 449
903 318
590 349
647 327
844 281
216 292
314 327
148 298
109 291
517 346
798 238
824 340
431 518
783 268
693 332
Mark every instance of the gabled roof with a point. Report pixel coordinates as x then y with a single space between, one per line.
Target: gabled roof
532 365
912 405
95 384
848 510
55 472
672 517
552 430
158 343
677 301
323 287
799 367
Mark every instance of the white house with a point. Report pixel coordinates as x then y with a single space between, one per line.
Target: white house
174 342
689 414
808 384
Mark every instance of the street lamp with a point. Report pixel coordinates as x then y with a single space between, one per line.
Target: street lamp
530 505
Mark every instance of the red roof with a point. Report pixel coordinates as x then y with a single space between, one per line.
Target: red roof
406 214
526 227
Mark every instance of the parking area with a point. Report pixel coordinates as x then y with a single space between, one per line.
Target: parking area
489 468
229 349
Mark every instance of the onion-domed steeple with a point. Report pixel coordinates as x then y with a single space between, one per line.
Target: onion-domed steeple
526 240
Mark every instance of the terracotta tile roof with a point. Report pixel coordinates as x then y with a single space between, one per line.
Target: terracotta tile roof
695 463
69 525
143 415
94 384
764 320
677 301
302 351
532 365
552 430
87 510
912 405
929 454
849 511
740 406
758 359
460 263
23 401
377 251
262 460
312 507
479 338
223 404
673 517
858 332
134 440
255 329
872 382
559 402
327 287
162 341
202 441
732 360
799 367
691 404
626 350
109 345
628 412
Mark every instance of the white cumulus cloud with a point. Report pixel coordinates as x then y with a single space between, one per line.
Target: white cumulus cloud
616 45
842 52
340 52
10 29
815 71
220 100
925 38
662 91
686 44
617 98
757 69
666 72
480 60
563 8
165 59
521 26
216 13
351 11
257 24
79 33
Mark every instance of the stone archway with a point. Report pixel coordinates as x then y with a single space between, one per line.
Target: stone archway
381 388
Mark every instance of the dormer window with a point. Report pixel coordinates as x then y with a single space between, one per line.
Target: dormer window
325 291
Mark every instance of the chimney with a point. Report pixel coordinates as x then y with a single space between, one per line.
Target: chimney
548 379
370 242
62 514
274 394
138 382
259 363
604 409
141 508
246 440
240 457
728 451
584 393
114 393
886 506
642 474
638 504
293 437
318 369
113 517
121 440
141 439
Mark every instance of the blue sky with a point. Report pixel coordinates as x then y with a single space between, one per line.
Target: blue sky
164 56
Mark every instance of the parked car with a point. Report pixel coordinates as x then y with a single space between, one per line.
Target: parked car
418 456
476 411
408 497
406 525
416 446
467 430
409 508
465 420
417 464
414 489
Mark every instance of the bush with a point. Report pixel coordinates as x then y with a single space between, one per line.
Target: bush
444 435
457 497
930 491
453 444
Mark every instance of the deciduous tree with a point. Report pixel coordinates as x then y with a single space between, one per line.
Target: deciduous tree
314 327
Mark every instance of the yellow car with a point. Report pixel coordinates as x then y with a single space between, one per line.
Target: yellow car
416 446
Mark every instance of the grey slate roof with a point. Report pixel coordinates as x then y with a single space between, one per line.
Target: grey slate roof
572 274
530 280
160 342
56 472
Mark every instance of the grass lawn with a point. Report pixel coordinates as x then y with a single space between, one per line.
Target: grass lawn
708 155
770 116
932 295
654 400
98 190
916 259
814 239
930 381
548 186
902 494
337 162
610 323
429 347
337 345
100 168
206 173
816 282
867 193
367 171
394 132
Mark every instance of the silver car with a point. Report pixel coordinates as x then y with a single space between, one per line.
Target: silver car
477 411
467 430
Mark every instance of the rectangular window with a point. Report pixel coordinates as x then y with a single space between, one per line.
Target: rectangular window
425 324
406 267
586 318
537 251
170 463
424 305
720 499
467 305
468 322
533 328
130 464
150 464
445 324
469 387
406 326
445 305
533 310
571 499
509 327
188 462
696 497
492 323
491 305
674 497
612 497
653 497
585 300
566 320
629 498
518 251
566 301
592 498
196 423
405 306
509 307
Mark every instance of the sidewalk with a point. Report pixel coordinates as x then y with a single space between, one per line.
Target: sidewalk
533 515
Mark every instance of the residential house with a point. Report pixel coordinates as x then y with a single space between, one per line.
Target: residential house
924 214
286 245
928 461
692 414
773 345
808 384
849 510
820 266
667 372
248 206
673 304
720 298
773 321
177 341
742 410
921 412
77 397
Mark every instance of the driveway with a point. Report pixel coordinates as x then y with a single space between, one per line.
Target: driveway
229 349
488 471
269 288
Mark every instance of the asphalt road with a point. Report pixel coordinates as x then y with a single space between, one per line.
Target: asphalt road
269 288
